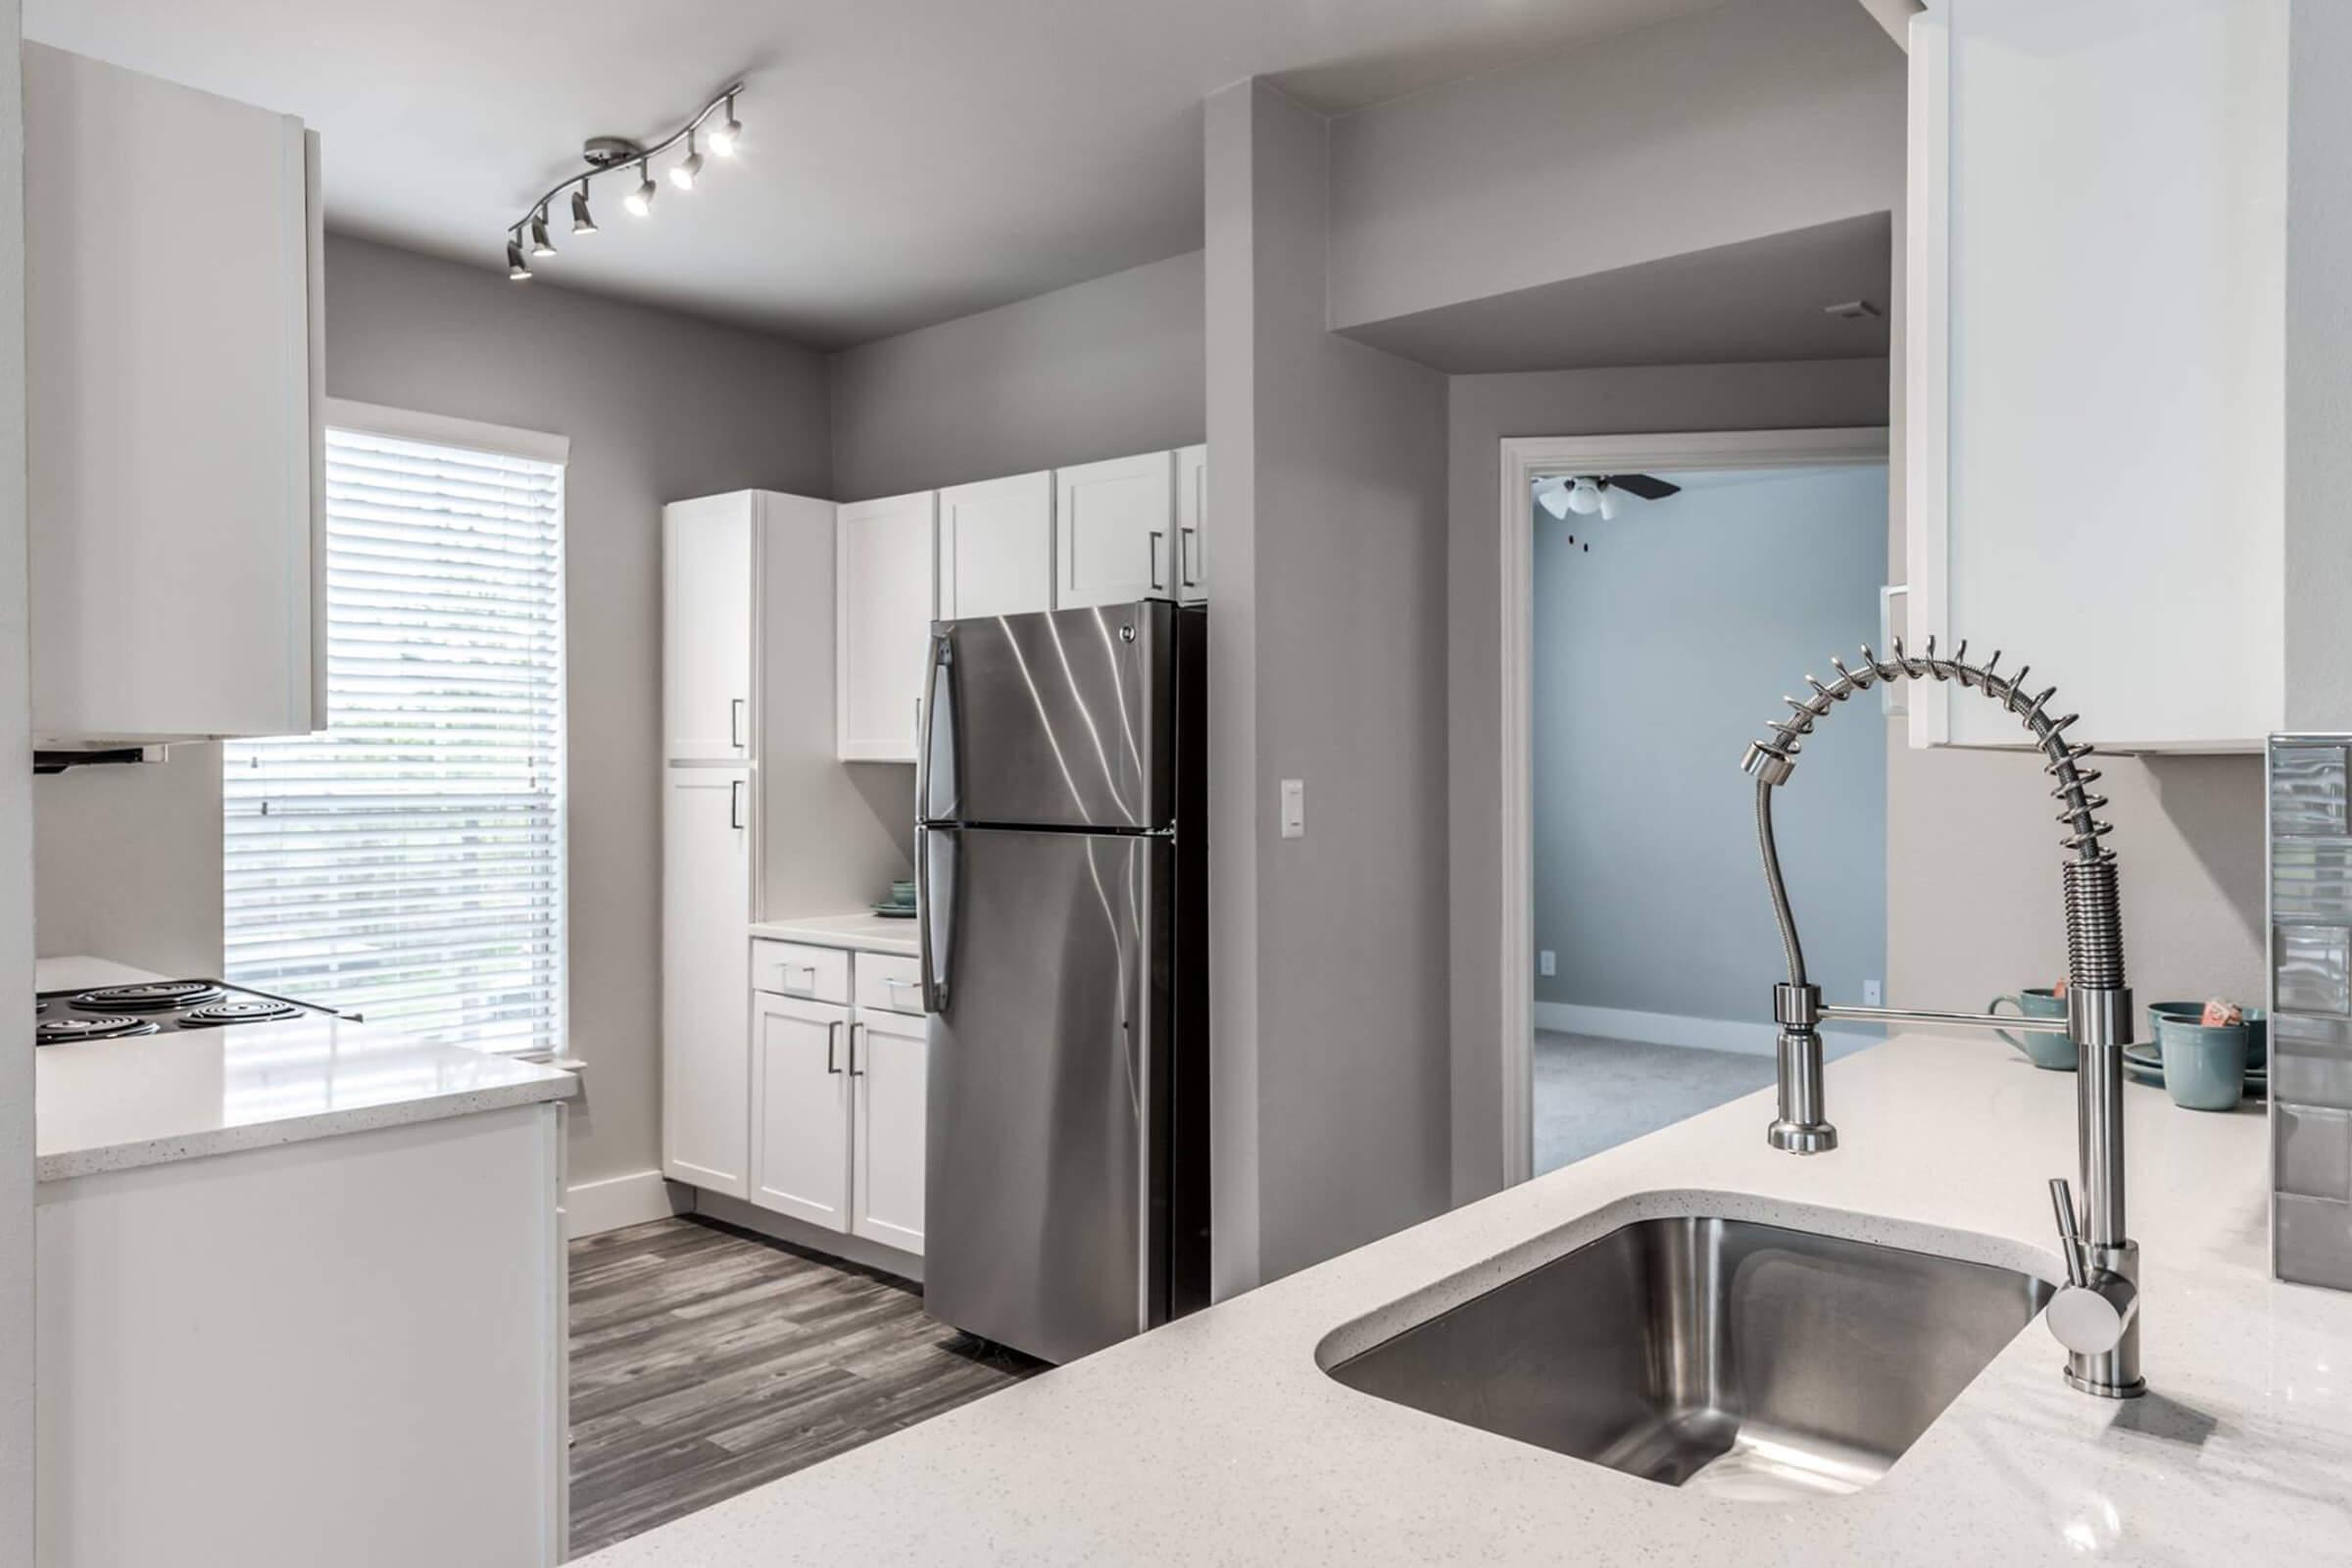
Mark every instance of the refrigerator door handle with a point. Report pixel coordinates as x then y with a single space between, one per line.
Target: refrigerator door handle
935 706
934 936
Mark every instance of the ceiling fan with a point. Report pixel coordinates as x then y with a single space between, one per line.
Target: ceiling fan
1584 494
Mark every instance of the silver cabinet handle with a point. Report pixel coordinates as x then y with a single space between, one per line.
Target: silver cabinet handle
735 723
735 803
832 1039
1185 553
855 1072
1158 538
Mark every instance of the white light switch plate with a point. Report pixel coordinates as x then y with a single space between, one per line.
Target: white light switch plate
1874 995
1294 808
1548 962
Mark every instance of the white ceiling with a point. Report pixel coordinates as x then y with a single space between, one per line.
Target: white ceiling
905 161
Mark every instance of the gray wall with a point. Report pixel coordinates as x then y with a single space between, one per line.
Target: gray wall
1099 370
1333 515
1480 410
16 853
658 406
1658 652
1742 121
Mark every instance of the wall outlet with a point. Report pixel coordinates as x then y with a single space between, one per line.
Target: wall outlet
1294 808
1874 993
1548 962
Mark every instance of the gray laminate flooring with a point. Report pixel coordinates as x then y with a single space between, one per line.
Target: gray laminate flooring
706 1361
1593 1094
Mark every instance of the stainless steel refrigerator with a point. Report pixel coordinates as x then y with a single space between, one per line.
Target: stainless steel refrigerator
1062 862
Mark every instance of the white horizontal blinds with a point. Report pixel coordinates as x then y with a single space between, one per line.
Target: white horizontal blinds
409 862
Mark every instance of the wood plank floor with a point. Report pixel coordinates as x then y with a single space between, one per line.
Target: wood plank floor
706 1361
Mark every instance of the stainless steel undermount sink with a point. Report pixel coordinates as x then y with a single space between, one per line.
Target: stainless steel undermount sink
1724 1356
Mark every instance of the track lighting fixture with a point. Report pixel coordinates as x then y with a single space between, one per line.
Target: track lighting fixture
608 154
683 172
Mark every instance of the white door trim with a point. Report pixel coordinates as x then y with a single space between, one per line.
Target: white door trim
1526 459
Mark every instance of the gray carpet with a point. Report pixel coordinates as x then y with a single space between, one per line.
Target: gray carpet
1593 1094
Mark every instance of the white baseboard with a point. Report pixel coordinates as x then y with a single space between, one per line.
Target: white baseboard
1749 1038
593 1208
815 1237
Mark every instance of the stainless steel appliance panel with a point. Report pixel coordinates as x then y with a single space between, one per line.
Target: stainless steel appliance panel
1048 959
1061 719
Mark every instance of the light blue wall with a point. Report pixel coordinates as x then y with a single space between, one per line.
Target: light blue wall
1659 654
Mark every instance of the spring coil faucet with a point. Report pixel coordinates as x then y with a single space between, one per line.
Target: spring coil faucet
2097 1314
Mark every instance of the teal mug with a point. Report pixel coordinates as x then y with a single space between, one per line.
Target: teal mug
2204 1064
2043 1048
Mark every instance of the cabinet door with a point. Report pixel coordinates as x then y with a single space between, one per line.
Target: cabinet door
996 547
172 413
883 565
801 1109
706 582
2095 474
706 976
891 1063
1112 532
1191 524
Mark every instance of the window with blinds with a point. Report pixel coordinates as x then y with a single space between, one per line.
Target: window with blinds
409 862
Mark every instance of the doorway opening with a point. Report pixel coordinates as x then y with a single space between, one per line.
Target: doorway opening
1671 589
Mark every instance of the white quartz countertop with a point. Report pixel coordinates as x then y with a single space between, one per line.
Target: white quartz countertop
149 1099
1219 1440
863 931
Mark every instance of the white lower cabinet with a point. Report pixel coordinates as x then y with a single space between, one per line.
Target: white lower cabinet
892 1056
801 1109
837 1105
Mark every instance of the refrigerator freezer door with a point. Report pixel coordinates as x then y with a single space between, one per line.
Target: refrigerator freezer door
1057 720
1047 1180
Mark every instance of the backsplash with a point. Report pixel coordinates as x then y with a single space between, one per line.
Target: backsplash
2311 1008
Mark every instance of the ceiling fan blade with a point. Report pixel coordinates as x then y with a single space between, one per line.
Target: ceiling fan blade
1648 486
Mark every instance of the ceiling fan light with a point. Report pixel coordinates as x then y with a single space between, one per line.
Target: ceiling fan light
1608 504
1553 496
1584 496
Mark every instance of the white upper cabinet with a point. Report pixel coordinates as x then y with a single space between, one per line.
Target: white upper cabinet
707 584
174 404
1191 524
2095 337
996 547
1114 527
883 556
706 976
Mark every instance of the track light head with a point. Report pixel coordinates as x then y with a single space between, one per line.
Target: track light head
581 223
541 245
683 172
640 202
730 135
516 268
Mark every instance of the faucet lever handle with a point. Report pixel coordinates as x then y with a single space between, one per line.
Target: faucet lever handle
2070 1234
